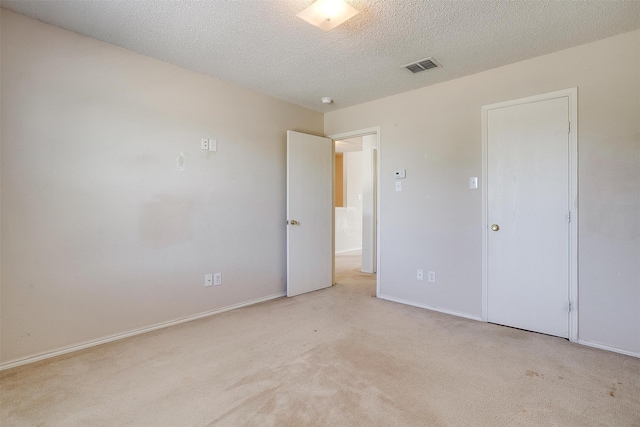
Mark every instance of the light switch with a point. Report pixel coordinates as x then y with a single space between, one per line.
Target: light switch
398 185
473 183
213 145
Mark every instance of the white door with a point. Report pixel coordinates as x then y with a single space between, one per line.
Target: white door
309 213
528 216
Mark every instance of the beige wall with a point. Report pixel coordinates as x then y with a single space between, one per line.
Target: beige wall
102 230
435 223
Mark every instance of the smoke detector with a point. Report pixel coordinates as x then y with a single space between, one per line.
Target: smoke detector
422 65
326 100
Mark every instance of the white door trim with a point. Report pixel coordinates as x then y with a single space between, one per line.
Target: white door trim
572 95
363 132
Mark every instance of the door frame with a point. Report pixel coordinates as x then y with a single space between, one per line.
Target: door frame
354 134
572 95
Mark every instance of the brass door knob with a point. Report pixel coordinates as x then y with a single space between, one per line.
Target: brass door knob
293 222
495 227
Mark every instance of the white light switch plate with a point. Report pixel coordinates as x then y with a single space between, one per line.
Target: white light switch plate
473 183
398 185
213 145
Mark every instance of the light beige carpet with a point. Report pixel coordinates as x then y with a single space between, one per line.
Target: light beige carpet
336 357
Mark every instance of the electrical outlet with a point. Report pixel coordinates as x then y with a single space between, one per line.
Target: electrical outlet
217 279
420 275
431 276
204 144
208 279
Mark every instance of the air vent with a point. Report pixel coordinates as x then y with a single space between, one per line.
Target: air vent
422 65
414 68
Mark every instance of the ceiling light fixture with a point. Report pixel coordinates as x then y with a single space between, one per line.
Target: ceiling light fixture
326 100
327 14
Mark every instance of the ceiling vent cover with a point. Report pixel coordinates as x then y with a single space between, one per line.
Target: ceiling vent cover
422 65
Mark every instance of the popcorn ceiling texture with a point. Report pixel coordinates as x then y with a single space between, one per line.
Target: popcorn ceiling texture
262 45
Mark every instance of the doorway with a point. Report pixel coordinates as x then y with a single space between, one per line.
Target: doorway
530 213
348 195
356 204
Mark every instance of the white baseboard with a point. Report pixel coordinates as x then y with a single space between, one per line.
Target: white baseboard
59 352
48 355
348 250
466 316
606 347
428 307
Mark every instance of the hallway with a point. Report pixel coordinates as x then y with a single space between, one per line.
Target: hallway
348 272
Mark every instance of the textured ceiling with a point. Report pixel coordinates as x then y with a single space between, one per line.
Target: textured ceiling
264 46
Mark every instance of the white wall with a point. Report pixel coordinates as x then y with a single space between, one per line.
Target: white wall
111 214
369 254
435 223
348 225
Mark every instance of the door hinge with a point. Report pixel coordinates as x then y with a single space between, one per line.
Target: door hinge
570 306
569 217
569 128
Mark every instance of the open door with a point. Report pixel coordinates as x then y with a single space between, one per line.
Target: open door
309 213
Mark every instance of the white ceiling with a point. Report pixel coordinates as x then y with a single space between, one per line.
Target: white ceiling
263 45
